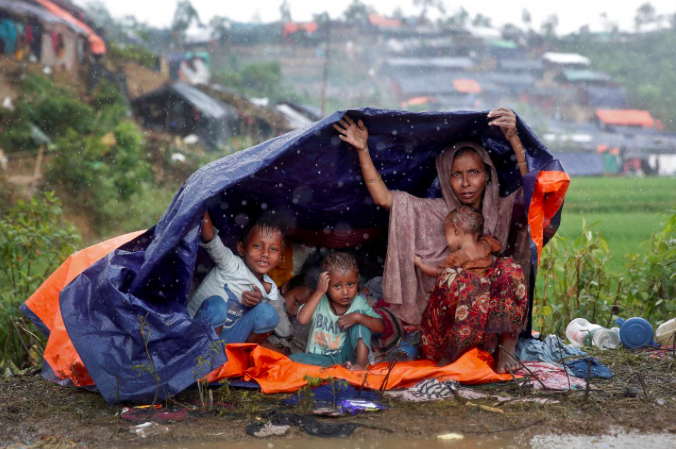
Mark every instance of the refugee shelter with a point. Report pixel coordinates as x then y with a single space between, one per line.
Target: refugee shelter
128 308
181 109
47 34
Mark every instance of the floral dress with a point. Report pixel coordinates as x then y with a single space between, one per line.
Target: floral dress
468 310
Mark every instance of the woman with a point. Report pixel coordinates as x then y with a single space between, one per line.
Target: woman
467 176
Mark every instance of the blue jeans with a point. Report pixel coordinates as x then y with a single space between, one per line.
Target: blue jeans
259 319
347 354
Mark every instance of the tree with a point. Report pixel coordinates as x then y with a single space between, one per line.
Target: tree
220 28
357 12
285 11
481 21
608 25
98 11
460 18
399 13
184 16
526 18
646 15
548 27
426 5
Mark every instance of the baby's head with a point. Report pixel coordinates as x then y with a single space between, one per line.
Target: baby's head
297 290
344 277
463 223
261 247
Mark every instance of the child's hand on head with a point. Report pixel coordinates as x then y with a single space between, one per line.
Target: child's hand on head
323 282
252 298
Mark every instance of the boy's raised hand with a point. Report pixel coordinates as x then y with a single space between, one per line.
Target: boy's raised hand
208 232
253 298
323 283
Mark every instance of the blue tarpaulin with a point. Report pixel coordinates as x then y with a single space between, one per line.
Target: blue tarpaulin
126 314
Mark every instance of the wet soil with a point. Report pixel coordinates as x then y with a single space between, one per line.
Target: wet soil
31 408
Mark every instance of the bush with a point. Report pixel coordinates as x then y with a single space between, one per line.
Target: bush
56 111
34 241
574 281
102 170
258 79
133 53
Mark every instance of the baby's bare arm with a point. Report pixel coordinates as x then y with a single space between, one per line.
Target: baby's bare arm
429 270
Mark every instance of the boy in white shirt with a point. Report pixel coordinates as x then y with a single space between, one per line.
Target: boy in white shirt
234 295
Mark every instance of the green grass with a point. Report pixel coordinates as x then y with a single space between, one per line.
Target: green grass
627 210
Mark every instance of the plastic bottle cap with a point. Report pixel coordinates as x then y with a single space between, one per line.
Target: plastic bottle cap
636 333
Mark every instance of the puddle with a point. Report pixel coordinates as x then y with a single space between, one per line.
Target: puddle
496 441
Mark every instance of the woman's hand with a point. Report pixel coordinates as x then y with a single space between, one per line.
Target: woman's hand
505 119
353 133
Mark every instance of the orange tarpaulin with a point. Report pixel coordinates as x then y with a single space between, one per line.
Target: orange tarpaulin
548 194
60 353
290 28
276 373
96 44
467 86
382 21
626 117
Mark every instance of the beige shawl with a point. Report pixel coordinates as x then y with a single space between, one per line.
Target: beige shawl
417 228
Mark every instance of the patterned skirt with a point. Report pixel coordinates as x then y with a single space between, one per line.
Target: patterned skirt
468 311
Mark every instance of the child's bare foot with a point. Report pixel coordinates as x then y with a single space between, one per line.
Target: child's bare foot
355 367
505 361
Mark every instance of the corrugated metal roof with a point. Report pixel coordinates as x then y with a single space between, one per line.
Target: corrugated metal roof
585 75
626 117
566 58
28 10
446 63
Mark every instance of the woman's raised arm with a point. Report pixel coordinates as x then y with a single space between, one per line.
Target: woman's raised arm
506 120
357 135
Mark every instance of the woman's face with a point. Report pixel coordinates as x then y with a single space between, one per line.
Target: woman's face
469 178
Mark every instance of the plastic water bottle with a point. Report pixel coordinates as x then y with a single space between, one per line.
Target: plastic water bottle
580 331
636 332
606 338
666 333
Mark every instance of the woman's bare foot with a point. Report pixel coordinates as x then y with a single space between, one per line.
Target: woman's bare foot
443 362
505 361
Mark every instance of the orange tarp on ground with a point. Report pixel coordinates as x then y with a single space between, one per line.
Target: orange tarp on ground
60 353
626 117
276 373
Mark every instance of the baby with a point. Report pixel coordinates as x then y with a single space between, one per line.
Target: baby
233 296
471 250
342 321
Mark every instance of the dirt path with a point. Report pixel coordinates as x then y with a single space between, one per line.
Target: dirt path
32 407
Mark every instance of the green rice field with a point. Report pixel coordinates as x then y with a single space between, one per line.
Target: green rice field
627 211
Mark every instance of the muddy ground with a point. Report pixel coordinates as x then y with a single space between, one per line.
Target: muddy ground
32 408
